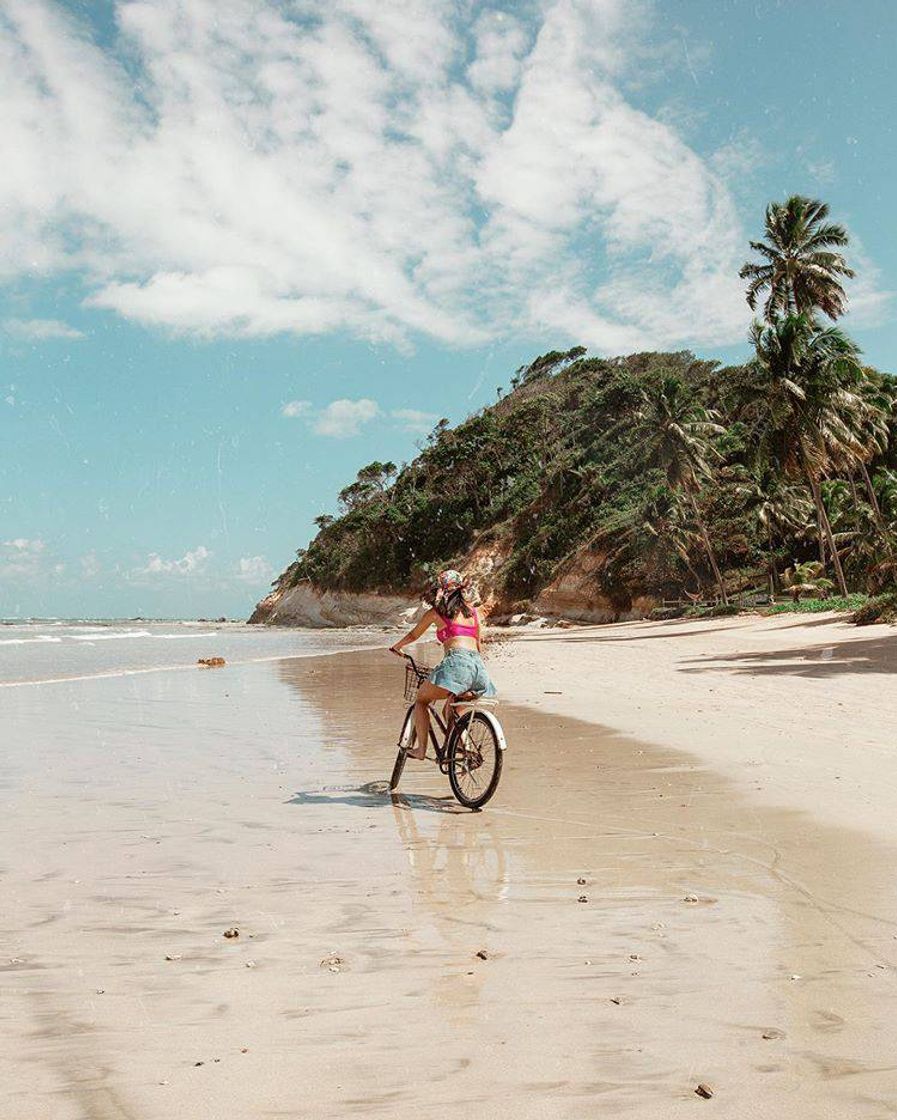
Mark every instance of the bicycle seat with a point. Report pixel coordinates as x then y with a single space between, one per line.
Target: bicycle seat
472 698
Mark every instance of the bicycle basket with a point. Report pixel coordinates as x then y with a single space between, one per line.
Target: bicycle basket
414 678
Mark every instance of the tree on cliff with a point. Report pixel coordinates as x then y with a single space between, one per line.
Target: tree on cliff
801 396
370 481
801 271
676 435
817 410
546 365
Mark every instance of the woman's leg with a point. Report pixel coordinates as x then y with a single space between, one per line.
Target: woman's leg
448 712
426 695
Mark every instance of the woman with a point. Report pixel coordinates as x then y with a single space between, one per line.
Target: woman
461 669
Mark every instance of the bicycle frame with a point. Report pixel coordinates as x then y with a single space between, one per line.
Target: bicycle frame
441 748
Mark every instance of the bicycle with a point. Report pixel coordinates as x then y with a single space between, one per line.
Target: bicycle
471 748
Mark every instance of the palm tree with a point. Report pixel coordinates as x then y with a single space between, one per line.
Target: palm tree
663 525
885 484
866 412
779 507
879 401
859 532
675 434
800 270
802 402
806 578
650 531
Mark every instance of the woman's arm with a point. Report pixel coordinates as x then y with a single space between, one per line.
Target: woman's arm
481 624
423 625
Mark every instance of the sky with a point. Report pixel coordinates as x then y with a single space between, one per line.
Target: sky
246 247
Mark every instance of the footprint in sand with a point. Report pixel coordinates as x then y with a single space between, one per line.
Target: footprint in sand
827 1021
832 1068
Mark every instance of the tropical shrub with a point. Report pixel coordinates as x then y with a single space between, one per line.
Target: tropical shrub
818 606
881 608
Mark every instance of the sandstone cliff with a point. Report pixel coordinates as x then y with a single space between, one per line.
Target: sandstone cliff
305 605
570 596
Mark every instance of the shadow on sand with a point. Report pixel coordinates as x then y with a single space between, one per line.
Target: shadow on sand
864 655
693 630
371 793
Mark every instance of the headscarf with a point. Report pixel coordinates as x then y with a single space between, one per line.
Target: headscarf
452 592
449 580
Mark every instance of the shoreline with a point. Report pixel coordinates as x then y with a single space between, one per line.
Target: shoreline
38 654
182 667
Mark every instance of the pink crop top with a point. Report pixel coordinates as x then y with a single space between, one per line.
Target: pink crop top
453 629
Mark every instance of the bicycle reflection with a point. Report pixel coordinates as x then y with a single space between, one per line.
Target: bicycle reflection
459 877
465 859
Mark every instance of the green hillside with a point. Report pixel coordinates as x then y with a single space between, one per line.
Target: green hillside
559 464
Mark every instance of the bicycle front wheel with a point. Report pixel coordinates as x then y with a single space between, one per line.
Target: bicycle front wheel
474 760
406 742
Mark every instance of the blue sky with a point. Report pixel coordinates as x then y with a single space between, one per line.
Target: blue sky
247 248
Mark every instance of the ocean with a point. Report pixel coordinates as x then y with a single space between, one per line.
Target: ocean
50 650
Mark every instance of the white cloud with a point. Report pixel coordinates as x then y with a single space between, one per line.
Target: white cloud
22 546
368 166
740 159
22 558
340 418
501 41
39 329
344 418
254 569
869 305
191 563
415 421
90 565
295 408
822 172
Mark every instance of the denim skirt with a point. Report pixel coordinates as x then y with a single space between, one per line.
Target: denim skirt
462 670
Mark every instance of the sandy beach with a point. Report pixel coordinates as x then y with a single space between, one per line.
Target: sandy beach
726 790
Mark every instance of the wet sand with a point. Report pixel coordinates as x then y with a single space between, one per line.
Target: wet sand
145 816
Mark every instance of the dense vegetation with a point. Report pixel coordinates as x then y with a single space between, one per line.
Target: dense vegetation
684 477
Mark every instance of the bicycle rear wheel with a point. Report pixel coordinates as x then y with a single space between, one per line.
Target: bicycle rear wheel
474 760
407 740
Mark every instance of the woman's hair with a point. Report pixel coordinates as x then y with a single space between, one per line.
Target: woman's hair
452 594
455 602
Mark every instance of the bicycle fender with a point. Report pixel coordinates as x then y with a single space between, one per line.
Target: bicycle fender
496 727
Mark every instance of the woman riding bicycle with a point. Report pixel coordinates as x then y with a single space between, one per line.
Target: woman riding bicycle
461 669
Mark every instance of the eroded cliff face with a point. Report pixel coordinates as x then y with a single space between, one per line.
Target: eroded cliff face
481 566
572 595
305 605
